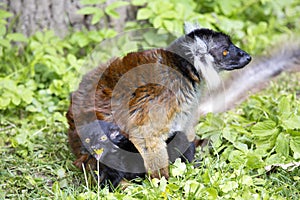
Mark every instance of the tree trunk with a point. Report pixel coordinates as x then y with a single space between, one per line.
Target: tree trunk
58 15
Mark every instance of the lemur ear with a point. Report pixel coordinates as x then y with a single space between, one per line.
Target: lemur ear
189 27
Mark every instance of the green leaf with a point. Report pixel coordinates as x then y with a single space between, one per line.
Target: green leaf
17 37
157 22
215 121
8 84
229 186
282 144
293 122
241 146
27 97
169 25
88 10
155 182
95 36
2 31
228 24
192 187
228 6
264 129
284 108
295 146
274 159
229 135
20 139
256 30
179 168
254 161
30 108
237 158
144 13
171 14
59 117
72 59
4 102
81 39
97 16
16 99
215 138
160 7
163 184
294 132
173 187
4 14
55 187
51 51
5 43
212 193
112 13
110 9
25 94
108 33
247 180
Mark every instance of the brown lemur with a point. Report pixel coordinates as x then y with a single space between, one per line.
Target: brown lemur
125 113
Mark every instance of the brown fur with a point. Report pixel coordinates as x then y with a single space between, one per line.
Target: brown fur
148 103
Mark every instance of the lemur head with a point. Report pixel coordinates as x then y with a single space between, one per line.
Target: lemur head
209 52
216 47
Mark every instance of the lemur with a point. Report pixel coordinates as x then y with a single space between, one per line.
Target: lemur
136 113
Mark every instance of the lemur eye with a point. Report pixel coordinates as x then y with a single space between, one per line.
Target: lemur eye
103 138
225 52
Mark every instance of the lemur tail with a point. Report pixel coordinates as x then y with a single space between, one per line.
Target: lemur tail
253 78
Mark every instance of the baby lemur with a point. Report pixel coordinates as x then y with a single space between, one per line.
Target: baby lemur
125 113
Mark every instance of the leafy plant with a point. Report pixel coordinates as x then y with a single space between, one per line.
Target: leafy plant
265 133
6 39
36 77
169 15
97 13
254 24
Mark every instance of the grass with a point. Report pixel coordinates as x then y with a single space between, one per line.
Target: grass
41 168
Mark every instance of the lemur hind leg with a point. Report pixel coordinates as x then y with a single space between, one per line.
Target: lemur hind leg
155 155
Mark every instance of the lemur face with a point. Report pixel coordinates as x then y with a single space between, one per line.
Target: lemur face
225 55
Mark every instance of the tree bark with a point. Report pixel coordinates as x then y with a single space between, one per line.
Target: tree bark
59 15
